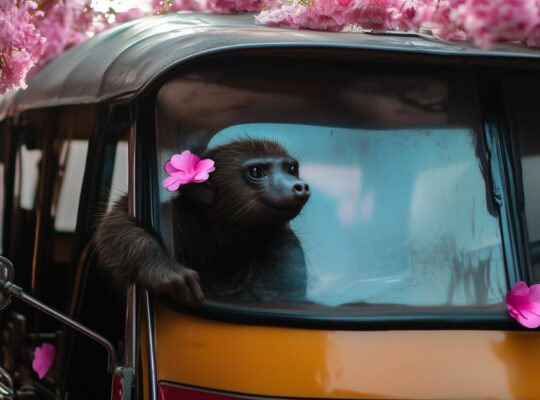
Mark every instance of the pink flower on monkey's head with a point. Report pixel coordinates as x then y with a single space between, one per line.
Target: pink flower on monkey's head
523 304
185 168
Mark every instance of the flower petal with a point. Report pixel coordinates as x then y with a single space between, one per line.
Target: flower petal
518 297
43 359
206 165
523 304
520 289
171 180
169 168
178 160
529 320
174 186
534 293
181 175
186 161
201 177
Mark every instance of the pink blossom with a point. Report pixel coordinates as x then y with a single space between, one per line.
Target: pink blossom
128 15
65 24
286 15
370 14
534 38
43 359
487 21
328 15
21 44
185 168
209 6
169 6
30 36
523 304
484 21
234 6
444 25
402 17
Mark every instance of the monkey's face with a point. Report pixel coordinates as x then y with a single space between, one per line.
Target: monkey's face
255 183
274 182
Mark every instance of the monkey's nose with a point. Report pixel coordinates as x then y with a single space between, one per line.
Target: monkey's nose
301 191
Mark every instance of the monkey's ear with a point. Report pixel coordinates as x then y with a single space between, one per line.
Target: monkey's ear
202 193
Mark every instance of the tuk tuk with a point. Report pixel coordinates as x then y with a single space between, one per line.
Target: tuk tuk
423 159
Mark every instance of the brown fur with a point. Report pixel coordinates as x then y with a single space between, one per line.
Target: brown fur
238 244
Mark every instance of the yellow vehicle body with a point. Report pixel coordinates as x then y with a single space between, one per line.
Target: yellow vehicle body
309 363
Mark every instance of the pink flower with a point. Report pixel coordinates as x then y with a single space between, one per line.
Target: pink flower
534 38
186 168
487 21
285 15
234 6
164 7
64 24
43 359
523 304
21 44
483 21
443 21
370 14
128 15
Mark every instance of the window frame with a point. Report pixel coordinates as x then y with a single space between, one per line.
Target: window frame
505 187
6 144
111 124
515 139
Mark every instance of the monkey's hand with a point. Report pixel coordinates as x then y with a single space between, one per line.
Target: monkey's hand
181 284
131 253
185 287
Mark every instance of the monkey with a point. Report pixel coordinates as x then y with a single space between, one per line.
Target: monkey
231 233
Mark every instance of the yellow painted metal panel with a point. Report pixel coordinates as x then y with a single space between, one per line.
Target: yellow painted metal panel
278 361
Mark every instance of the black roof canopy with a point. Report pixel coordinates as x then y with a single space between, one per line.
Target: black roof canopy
123 61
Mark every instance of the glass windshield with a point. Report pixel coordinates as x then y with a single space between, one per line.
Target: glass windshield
399 211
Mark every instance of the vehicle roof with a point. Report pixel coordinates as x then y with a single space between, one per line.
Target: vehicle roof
122 61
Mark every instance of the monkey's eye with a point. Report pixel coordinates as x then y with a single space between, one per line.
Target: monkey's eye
255 172
293 169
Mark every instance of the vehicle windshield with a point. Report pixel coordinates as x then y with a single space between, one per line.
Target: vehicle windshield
400 209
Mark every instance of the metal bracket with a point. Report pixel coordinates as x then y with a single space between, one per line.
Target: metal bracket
8 290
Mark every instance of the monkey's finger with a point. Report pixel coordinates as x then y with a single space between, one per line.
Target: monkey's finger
180 291
191 273
193 281
191 291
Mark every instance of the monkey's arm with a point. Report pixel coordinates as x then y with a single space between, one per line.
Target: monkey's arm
133 254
